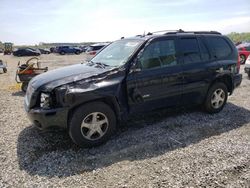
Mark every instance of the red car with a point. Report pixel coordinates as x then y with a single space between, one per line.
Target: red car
244 51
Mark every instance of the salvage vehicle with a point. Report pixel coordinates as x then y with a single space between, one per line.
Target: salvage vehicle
69 50
8 48
44 51
135 75
247 66
244 52
26 52
93 49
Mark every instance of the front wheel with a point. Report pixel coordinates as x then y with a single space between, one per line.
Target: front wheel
4 70
216 98
92 124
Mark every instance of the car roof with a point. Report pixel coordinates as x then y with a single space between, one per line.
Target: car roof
174 33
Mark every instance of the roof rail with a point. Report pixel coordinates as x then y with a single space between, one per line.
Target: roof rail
151 33
195 32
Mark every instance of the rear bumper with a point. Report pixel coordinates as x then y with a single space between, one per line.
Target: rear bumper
44 119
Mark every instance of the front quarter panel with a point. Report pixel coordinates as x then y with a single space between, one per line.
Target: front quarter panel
109 87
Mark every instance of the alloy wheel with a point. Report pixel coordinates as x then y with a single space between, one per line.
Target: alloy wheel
94 126
218 98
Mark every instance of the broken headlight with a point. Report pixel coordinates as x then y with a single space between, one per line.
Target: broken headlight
45 100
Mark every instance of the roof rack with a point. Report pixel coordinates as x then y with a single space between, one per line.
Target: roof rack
195 32
151 33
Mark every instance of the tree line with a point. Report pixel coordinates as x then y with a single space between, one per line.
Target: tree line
239 37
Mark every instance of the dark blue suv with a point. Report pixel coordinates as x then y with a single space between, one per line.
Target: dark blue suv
134 75
69 50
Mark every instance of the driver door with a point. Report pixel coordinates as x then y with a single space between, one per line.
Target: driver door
158 81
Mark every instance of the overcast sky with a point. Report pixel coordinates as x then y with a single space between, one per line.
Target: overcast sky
34 21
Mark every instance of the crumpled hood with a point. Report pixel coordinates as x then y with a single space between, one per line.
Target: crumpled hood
57 77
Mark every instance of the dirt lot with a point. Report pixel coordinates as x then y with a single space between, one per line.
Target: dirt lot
180 148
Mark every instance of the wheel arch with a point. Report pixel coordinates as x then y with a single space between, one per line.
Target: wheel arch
226 79
112 102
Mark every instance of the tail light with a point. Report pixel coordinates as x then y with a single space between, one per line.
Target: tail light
238 64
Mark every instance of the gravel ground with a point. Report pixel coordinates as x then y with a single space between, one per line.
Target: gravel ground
177 148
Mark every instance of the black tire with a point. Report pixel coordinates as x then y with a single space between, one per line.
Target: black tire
62 53
242 59
4 70
77 52
79 116
209 105
248 75
24 86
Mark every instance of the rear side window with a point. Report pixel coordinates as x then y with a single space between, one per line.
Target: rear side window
220 47
190 50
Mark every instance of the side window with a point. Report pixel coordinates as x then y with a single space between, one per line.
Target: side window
159 54
205 56
220 46
190 50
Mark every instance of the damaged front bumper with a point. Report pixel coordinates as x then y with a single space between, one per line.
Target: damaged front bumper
47 118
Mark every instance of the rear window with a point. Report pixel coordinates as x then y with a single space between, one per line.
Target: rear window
220 47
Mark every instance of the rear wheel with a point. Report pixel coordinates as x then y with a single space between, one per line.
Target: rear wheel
242 59
216 98
4 70
92 124
62 53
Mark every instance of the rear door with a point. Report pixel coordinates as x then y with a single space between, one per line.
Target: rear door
198 68
158 83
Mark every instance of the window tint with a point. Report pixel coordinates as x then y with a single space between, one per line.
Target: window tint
220 46
159 54
190 50
205 56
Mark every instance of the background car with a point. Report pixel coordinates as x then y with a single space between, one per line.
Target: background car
69 50
44 51
244 51
94 49
84 48
247 66
26 52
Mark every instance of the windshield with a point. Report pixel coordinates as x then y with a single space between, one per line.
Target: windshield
117 53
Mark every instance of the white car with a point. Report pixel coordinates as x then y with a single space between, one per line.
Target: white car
247 66
94 49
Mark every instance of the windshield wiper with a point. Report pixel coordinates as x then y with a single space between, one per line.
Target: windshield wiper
99 64
103 65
